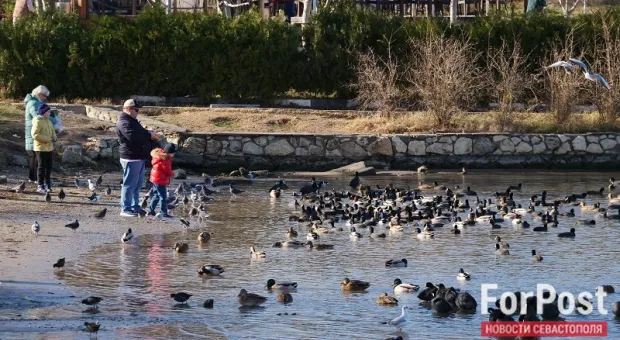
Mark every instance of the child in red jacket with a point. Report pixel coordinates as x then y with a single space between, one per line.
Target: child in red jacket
160 177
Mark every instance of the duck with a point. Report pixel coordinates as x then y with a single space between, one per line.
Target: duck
354 285
210 269
181 297
321 246
354 234
92 327
257 254
589 208
462 275
275 193
204 237
465 302
285 298
616 309
385 299
608 289
375 235
570 213
543 228
312 236
319 230
501 251
455 231
400 287
463 171
422 169
497 315
355 182
396 263
426 235
181 247
568 234
503 244
127 236
291 233
536 258
288 244
282 285
250 299
92 301
441 306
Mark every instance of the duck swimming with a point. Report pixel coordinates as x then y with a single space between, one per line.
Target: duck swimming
354 285
400 287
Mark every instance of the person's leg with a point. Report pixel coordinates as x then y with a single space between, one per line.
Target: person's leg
32 166
40 170
155 199
48 159
163 193
140 167
131 172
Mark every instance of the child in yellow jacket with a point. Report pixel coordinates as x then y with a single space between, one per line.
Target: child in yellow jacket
44 136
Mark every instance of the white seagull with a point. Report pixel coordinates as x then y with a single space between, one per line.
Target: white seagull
399 321
92 186
127 236
589 75
568 67
36 227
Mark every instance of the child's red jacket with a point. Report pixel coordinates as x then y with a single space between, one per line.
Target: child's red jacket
162 167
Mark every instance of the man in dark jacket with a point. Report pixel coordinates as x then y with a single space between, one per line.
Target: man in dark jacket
134 147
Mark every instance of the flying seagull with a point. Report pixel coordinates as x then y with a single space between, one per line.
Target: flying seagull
589 75
568 67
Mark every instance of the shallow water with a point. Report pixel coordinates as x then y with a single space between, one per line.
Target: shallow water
136 280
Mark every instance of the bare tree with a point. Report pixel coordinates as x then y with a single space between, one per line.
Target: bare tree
509 79
444 75
377 81
563 87
568 6
607 60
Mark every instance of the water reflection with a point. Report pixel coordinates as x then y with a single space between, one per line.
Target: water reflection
139 278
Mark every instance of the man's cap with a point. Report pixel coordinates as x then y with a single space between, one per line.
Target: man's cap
132 103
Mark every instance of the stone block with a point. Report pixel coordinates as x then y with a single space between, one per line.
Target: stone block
251 148
381 147
194 145
416 148
463 146
279 147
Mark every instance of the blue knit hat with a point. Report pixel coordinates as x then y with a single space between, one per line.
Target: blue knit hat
43 108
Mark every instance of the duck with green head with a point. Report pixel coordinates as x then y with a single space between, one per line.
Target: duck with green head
282 285
400 287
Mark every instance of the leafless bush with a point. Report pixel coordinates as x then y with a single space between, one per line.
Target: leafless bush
508 80
563 88
607 61
377 82
443 75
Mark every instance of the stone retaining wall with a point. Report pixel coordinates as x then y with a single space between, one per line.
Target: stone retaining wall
323 152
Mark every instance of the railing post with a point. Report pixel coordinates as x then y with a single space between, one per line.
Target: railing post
453 10
401 8
488 7
134 7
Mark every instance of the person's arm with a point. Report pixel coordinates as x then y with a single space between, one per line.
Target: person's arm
169 171
36 133
134 135
31 109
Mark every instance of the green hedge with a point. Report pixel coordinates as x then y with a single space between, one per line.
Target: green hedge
210 56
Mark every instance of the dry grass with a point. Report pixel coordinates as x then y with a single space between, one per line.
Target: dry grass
354 122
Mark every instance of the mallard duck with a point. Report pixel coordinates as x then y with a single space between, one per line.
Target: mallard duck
501 251
375 235
396 263
400 287
250 299
283 285
423 235
462 275
319 230
92 301
312 236
354 285
210 269
285 298
455 231
502 244
275 193
257 254
181 297
394 228
385 299
290 233
204 237
569 234
288 244
536 258
589 208
181 247
92 327
354 234
319 246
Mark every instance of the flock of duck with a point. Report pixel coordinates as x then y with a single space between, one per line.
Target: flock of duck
362 211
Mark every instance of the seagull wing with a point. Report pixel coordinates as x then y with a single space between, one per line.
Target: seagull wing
560 63
602 80
398 320
580 64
